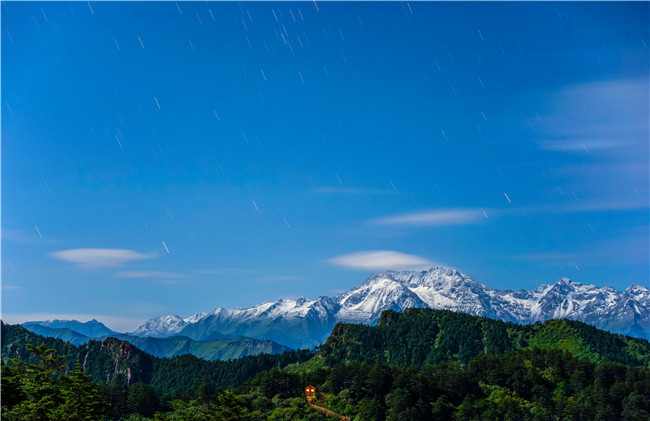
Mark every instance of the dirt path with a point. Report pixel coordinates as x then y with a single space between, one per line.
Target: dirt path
330 413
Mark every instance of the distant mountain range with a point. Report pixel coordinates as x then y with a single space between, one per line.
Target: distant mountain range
90 329
305 323
163 347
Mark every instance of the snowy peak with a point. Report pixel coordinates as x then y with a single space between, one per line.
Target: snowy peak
438 288
380 292
302 322
638 292
195 317
162 326
299 322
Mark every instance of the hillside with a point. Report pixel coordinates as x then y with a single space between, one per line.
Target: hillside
421 364
421 336
114 360
90 329
63 333
163 347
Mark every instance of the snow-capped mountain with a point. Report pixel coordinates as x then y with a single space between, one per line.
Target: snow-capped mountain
296 323
164 326
304 323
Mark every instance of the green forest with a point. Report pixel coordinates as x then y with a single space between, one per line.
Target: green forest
421 364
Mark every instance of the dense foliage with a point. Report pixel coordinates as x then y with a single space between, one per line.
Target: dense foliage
419 365
48 390
423 336
112 360
524 385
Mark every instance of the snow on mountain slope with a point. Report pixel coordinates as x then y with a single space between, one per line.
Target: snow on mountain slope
378 293
195 317
293 322
160 327
304 323
163 326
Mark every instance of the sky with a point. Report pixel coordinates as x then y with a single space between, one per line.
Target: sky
171 158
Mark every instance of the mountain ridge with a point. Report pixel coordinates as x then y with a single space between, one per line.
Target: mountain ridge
168 347
304 323
90 329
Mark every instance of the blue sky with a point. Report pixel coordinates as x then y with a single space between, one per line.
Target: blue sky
176 157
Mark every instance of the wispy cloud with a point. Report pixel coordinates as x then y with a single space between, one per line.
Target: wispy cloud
10 287
147 274
630 249
225 271
170 282
279 278
577 206
350 190
100 258
596 206
446 217
550 256
581 145
628 170
606 116
381 260
434 217
25 237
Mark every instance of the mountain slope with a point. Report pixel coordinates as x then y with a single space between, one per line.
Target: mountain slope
63 333
90 329
174 345
296 323
104 360
163 326
423 336
305 323
113 359
221 349
366 302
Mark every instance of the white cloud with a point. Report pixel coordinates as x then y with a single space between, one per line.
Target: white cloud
99 258
581 145
434 217
280 278
118 324
438 217
605 205
226 271
568 207
631 248
606 116
25 237
147 274
381 260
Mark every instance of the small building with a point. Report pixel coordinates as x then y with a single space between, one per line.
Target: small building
310 392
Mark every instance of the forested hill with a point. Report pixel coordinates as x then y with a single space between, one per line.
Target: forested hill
115 360
418 365
421 336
